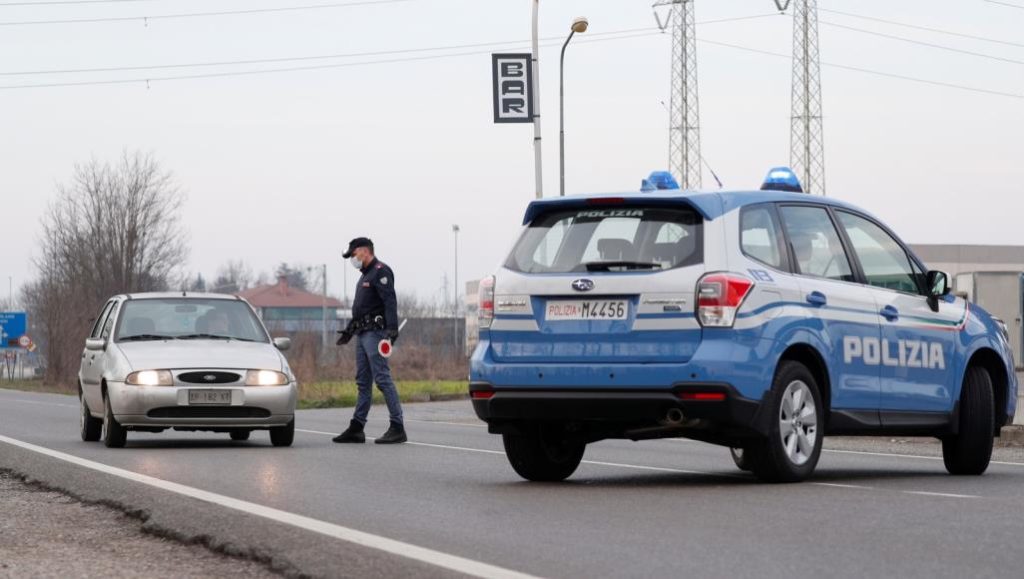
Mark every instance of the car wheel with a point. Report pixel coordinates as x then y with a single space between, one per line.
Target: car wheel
240 434
543 455
742 457
793 446
970 451
283 435
113 434
91 428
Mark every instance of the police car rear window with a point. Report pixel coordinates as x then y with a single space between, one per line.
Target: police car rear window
610 240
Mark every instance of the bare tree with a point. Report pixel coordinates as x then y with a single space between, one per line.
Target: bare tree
233 276
112 229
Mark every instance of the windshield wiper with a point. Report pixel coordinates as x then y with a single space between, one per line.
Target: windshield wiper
141 337
212 337
607 265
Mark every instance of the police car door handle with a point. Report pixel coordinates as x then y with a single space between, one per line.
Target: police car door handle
817 298
890 313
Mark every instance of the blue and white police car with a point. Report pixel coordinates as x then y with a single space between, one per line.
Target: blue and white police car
760 321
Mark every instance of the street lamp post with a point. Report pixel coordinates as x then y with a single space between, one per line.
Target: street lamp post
578 25
537 156
455 301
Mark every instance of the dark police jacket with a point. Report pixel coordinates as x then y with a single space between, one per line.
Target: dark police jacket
375 294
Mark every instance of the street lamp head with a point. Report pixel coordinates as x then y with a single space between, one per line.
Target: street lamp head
580 25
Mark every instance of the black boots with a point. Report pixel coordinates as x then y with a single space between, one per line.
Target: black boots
354 433
394 435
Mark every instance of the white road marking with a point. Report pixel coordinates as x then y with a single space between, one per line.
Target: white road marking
894 455
946 495
39 403
391 546
671 470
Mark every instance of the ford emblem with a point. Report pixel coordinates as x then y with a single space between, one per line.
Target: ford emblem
210 377
583 285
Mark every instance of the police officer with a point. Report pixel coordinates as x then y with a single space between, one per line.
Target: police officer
374 318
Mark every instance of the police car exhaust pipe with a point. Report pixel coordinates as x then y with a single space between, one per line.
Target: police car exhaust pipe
674 416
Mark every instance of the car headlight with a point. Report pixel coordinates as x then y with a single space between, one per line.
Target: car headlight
265 378
150 378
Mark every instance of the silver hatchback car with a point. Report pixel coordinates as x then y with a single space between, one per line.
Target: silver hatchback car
185 361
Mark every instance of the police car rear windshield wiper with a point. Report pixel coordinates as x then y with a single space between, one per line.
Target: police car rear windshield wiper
608 265
141 337
212 337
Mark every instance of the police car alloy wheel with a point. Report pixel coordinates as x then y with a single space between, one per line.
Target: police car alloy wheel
798 422
970 450
790 451
91 428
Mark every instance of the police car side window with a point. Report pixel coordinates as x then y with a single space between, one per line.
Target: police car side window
760 237
815 243
883 259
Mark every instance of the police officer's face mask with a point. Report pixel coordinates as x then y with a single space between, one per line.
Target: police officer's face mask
356 262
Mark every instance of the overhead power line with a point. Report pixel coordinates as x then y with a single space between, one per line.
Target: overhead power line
872 72
148 80
61 2
921 43
279 60
144 18
1018 6
924 28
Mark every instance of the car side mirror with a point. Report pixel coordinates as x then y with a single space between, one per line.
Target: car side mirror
95 344
282 343
938 284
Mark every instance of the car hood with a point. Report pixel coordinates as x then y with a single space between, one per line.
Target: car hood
180 354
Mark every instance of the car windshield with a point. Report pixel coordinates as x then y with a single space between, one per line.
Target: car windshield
188 319
634 238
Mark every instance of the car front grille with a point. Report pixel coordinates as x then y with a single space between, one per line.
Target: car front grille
208 412
210 377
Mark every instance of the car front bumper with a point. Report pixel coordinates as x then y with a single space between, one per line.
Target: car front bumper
167 406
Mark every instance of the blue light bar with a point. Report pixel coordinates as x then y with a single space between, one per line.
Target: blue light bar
782 179
659 181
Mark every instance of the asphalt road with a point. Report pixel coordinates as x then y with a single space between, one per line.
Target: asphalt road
449 501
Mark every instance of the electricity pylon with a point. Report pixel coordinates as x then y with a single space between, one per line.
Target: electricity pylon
684 112
806 142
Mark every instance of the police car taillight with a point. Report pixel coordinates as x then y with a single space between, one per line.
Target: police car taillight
485 313
719 297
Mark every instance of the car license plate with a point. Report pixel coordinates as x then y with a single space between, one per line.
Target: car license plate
561 310
209 397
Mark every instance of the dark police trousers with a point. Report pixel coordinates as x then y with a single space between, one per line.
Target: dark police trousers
372 367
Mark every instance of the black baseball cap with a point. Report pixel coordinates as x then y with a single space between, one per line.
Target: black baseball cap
356 243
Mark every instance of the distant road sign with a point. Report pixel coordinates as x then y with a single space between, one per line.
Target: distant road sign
14 324
24 341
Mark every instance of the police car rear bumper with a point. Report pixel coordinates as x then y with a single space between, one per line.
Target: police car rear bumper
709 407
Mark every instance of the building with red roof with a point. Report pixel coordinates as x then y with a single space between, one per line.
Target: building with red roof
291 308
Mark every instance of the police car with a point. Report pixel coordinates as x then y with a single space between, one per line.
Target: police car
760 321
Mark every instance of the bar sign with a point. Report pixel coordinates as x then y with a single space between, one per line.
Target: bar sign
512 75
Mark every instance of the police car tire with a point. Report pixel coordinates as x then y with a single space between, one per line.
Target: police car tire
283 435
536 457
969 452
240 435
91 427
114 435
768 460
742 457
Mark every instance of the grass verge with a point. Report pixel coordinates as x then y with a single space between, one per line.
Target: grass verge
314 394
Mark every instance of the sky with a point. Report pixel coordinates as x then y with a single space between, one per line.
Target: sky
288 166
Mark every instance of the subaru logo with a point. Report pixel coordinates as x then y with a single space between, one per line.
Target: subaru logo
583 285
209 377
